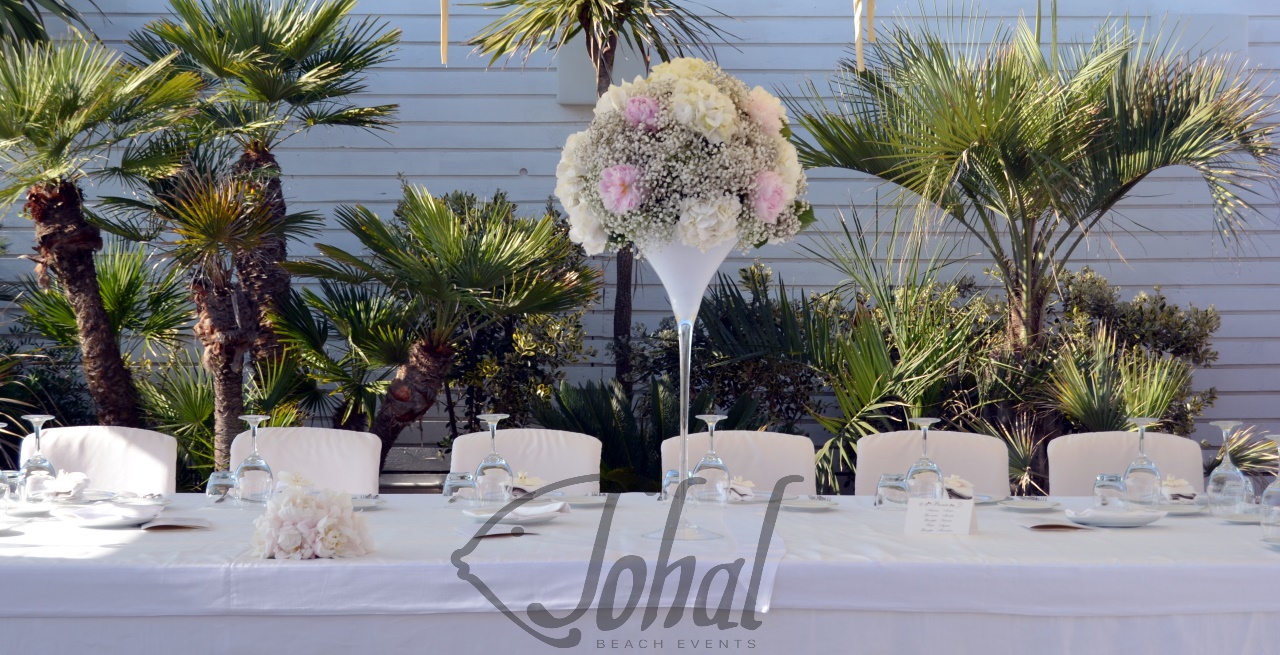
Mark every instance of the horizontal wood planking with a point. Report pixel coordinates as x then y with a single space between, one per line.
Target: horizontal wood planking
465 127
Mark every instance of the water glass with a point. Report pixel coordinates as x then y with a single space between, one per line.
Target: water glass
10 487
221 485
892 492
1108 491
494 488
670 482
455 482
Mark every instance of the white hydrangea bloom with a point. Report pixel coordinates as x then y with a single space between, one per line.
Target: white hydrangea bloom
705 224
703 107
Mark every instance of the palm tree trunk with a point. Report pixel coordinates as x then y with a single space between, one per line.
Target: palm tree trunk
412 392
226 341
264 281
66 243
603 54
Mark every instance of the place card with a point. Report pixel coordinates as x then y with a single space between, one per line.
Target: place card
940 516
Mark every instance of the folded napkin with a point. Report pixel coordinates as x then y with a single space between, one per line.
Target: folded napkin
1051 525
958 487
526 483
287 479
1178 491
178 523
66 485
111 511
741 490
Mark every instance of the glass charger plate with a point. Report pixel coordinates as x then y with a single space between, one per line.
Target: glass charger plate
482 515
1116 520
808 504
68 514
1029 504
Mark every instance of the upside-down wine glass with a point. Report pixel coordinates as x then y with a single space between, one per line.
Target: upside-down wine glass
1270 509
254 481
711 468
498 487
36 462
1228 486
1142 478
924 479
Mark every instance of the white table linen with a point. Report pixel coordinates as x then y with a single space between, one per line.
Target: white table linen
848 580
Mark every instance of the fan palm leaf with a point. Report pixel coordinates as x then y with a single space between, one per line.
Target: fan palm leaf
1029 155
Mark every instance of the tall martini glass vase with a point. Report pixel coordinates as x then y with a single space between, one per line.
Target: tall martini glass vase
686 272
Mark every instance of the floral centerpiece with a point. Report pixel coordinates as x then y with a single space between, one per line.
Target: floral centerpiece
303 524
689 154
686 164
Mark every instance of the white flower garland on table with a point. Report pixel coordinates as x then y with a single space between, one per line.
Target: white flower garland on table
689 155
303 524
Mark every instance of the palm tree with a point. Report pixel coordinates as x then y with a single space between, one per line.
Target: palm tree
62 107
21 20
451 276
1029 152
146 303
373 331
660 27
276 68
214 217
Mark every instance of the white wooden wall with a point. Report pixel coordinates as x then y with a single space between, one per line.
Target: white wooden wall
465 127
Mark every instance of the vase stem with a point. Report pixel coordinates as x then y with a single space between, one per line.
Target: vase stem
685 333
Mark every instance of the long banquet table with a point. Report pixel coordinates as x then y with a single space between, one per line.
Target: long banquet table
844 581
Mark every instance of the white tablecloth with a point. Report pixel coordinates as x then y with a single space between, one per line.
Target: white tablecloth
848 579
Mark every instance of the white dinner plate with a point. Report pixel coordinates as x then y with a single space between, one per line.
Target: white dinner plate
139 500
68 514
8 523
1029 504
482 515
1116 519
1243 519
30 510
983 499
361 504
759 500
808 504
597 500
1174 509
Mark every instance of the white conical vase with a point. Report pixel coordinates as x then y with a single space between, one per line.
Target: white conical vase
686 272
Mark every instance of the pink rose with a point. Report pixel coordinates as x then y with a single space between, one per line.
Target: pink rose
620 188
642 112
766 110
770 196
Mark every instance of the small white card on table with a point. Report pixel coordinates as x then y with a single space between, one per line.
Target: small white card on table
937 516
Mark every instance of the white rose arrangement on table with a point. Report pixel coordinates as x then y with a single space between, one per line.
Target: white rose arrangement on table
688 155
303 524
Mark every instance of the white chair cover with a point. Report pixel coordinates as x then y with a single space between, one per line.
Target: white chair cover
978 458
343 460
115 458
763 458
1075 460
552 455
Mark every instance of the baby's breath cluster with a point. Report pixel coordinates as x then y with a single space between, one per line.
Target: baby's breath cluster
687 155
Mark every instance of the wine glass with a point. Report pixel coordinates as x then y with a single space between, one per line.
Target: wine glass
715 490
1228 487
497 487
1270 509
36 462
254 481
1142 478
924 479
